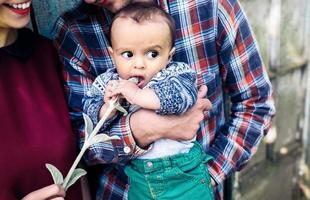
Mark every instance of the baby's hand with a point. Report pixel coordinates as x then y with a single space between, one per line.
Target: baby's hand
108 95
127 89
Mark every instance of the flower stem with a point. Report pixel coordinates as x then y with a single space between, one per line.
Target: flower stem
104 118
87 141
76 162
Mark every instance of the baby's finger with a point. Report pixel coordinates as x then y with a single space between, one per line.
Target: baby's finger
113 84
116 92
108 96
109 86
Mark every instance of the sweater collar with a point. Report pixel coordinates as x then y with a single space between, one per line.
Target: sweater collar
24 45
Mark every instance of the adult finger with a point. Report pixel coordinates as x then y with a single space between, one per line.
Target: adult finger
202 91
204 104
54 191
58 198
48 192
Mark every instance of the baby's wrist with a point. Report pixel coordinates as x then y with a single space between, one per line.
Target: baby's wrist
136 97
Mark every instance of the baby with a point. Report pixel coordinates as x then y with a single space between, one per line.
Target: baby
142 46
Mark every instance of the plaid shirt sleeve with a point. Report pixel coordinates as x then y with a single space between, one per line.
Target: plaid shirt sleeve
246 81
77 80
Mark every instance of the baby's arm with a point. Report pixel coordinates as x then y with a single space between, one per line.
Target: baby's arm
176 88
171 91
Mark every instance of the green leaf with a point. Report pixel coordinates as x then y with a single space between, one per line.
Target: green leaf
77 173
102 138
88 125
56 174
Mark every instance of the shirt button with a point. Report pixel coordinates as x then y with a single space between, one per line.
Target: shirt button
149 164
127 150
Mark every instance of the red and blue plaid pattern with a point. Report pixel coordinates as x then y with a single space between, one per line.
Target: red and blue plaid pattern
214 38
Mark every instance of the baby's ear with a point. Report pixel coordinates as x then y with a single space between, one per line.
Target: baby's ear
110 50
171 53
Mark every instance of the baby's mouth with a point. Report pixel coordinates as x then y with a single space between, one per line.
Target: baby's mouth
139 80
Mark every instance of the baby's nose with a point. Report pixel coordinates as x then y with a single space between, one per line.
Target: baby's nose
139 64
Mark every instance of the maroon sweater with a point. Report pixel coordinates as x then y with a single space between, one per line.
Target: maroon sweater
34 123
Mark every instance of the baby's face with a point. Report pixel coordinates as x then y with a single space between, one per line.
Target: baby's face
140 49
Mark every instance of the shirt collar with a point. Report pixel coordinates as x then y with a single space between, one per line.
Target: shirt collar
24 45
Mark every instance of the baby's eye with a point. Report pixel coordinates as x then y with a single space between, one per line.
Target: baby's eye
152 54
127 54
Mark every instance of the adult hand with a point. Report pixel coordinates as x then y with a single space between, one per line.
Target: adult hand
51 192
148 126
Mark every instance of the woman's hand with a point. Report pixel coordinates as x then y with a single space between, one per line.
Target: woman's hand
55 192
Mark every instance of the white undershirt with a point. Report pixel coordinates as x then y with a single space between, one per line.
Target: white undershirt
166 147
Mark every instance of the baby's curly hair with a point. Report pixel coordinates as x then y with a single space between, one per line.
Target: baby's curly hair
145 11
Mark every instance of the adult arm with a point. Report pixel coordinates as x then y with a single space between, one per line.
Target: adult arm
175 127
246 81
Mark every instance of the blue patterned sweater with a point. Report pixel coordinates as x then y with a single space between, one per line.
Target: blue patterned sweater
174 85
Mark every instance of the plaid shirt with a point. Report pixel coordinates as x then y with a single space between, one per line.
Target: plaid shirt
214 38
